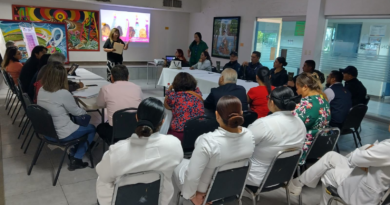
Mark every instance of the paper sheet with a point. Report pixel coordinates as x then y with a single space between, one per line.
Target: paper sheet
118 48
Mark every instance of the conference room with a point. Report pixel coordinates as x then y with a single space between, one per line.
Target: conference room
194 102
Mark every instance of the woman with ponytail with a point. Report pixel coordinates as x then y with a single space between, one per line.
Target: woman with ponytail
145 150
257 96
229 143
279 131
314 108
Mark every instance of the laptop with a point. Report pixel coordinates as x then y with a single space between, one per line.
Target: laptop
72 70
169 59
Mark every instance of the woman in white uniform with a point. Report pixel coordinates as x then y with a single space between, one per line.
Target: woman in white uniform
229 143
276 132
145 150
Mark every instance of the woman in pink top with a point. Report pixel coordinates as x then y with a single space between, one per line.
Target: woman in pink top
11 63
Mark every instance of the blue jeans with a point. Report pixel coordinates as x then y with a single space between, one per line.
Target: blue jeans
80 149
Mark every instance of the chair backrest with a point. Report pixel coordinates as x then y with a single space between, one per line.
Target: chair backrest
281 168
324 142
124 124
20 86
26 99
228 182
5 80
249 118
41 121
10 81
386 198
355 117
367 100
138 188
196 127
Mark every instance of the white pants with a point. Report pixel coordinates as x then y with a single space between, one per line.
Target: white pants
332 169
178 181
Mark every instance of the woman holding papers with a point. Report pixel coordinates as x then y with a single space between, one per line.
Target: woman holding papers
114 47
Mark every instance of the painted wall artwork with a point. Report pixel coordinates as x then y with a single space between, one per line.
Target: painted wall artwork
83 26
27 35
226 31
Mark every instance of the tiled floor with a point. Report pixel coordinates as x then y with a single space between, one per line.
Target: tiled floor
78 187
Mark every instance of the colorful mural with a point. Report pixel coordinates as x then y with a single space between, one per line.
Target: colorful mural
83 29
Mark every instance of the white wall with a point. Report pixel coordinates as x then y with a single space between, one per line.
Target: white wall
357 7
162 42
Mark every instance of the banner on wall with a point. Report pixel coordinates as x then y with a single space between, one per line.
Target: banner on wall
378 30
300 28
82 25
27 35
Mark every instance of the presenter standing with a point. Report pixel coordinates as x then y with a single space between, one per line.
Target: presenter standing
196 49
113 58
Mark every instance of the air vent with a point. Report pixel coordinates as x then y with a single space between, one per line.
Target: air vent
172 3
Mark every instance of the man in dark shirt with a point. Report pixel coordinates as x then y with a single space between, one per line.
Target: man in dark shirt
339 98
249 70
357 89
233 63
308 67
31 67
227 86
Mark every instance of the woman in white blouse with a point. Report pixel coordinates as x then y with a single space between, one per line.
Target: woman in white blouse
229 143
276 132
145 150
204 62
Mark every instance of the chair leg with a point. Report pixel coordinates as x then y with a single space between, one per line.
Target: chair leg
7 97
36 156
16 116
10 108
9 101
300 195
337 148
29 141
16 107
26 127
21 121
358 136
25 138
178 198
288 196
354 138
60 166
90 156
23 128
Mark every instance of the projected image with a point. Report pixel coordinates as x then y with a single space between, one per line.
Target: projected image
133 27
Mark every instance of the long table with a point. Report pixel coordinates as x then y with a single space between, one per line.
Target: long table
206 79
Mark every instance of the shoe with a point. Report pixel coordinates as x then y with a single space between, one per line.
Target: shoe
75 163
293 189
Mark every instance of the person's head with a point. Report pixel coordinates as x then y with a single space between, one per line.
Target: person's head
119 73
150 117
44 60
184 82
280 62
38 52
229 112
309 66
334 77
309 84
229 75
9 44
179 53
233 56
55 77
11 54
197 37
282 99
205 56
114 34
262 76
349 73
255 57
57 57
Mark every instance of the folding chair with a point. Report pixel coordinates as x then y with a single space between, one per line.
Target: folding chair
353 121
9 92
335 196
278 175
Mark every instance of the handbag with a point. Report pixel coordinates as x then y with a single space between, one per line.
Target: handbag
82 120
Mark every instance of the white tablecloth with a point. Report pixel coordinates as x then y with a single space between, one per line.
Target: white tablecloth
83 74
206 80
87 97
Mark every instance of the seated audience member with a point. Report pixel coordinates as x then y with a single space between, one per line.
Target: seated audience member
234 64
119 95
32 92
308 67
145 150
31 67
11 63
58 101
185 100
257 96
227 86
279 76
229 143
314 109
277 132
204 62
250 69
179 55
362 177
7 45
339 98
357 89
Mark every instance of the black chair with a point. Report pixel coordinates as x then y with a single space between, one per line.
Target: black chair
335 196
367 100
227 183
249 118
43 125
9 92
145 193
124 124
194 128
13 90
278 175
353 121
23 103
26 102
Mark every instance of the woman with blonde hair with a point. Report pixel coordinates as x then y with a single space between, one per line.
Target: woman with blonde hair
58 101
314 108
113 58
